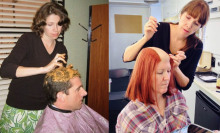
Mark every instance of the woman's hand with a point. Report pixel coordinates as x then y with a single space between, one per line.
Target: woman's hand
55 62
150 27
177 58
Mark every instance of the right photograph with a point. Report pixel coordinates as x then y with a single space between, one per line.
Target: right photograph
164 64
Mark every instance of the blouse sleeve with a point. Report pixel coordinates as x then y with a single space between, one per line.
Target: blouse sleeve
190 64
11 63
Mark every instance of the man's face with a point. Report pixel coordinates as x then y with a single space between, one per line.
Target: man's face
74 99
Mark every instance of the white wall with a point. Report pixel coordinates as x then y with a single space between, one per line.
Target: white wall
119 41
171 8
155 10
212 38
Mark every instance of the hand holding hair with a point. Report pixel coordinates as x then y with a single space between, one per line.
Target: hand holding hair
178 58
150 27
58 61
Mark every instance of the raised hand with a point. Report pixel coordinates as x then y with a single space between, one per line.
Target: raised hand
56 62
150 27
177 58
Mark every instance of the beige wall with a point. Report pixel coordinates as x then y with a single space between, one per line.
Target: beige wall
78 11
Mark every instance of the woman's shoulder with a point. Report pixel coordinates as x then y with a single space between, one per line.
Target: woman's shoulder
28 39
60 43
133 106
163 25
200 44
135 117
60 46
136 110
176 96
30 34
163 28
177 103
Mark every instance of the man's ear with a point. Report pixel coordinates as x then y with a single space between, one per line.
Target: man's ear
61 96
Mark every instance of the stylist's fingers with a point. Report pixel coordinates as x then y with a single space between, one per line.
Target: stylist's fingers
151 24
181 55
175 59
154 23
176 63
153 18
59 64
56 62
60 57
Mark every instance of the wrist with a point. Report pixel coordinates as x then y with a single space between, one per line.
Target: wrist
145 38
43 70
175 69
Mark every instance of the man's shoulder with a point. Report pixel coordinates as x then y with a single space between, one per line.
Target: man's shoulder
48 122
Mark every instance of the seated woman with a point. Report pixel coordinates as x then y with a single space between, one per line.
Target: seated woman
156 105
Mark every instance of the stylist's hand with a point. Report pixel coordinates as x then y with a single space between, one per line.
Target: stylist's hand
55 62
150 27
177 58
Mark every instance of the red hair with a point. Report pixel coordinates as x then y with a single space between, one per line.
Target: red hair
141 83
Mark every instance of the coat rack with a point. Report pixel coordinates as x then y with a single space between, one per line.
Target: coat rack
89 40
89 37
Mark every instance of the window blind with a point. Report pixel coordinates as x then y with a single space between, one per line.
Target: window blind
15 19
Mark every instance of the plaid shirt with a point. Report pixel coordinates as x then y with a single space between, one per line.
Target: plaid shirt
136 117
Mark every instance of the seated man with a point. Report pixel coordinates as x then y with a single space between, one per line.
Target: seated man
66 112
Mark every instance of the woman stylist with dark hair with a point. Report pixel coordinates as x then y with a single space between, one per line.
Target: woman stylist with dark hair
35 54
178 40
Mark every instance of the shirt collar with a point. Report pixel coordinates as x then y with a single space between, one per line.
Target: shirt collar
59 110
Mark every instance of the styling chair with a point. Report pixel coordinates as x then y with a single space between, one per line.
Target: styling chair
117 101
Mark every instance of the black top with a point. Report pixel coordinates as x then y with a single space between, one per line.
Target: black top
161 39
27 92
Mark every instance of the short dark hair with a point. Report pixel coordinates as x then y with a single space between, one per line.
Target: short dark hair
58 80
39 21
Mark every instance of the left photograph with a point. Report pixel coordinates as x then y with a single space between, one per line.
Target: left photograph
54 57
